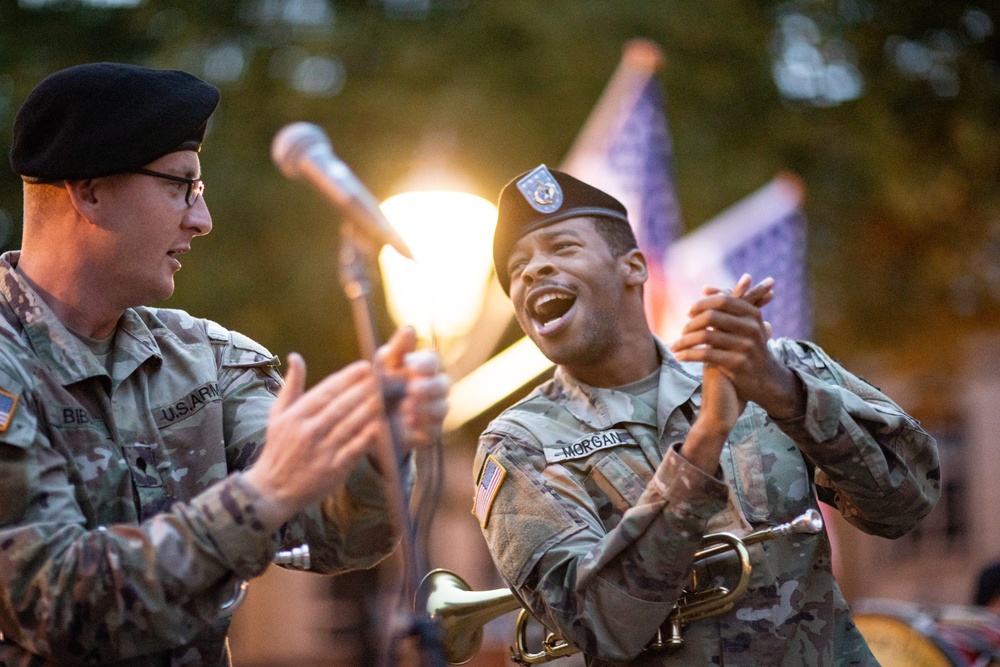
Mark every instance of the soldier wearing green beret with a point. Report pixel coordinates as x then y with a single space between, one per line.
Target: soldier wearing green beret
595 491
150 461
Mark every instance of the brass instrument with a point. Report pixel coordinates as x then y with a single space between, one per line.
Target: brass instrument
296 558
460 612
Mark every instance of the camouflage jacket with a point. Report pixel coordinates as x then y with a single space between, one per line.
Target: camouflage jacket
124 520
593 518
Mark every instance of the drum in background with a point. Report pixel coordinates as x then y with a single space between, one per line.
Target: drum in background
906 634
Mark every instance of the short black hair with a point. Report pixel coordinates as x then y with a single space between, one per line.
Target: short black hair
620 238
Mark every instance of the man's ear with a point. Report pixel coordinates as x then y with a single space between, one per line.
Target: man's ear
636 270
83 194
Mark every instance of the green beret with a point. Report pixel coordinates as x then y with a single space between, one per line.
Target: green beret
101 119
539 198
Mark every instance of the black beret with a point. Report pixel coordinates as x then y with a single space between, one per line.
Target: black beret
101 119
538 198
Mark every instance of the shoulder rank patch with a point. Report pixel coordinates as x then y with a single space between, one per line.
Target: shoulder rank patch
486 492
8 402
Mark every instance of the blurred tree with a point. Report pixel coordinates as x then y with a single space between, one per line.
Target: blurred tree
887 109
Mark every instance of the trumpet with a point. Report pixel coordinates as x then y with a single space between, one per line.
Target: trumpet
296 558
460 612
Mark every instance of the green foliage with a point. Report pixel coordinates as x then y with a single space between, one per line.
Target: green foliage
903 195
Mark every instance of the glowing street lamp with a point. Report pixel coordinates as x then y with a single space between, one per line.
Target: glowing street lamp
450 234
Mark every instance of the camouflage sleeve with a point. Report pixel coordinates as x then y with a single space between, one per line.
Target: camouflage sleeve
606 592
352 529
76 593
873 461
81 594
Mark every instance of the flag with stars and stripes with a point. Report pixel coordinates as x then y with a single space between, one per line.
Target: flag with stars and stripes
8 402
489 483
763 235
625 149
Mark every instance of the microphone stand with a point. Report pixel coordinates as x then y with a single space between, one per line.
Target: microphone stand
357 256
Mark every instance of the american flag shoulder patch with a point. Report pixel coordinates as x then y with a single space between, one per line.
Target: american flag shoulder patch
8 402
486 492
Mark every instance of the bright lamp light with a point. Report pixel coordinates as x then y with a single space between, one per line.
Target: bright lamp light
451 237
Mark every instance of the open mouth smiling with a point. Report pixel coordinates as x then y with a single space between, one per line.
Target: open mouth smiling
548 309
176 253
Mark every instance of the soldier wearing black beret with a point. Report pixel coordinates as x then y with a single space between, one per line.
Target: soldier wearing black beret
545 196
129 510
595 491
106 118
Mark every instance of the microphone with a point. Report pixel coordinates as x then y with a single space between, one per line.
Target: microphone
302 150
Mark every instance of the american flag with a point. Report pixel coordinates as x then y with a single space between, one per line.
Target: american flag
778 250
625 149
7 404
763 235
489 484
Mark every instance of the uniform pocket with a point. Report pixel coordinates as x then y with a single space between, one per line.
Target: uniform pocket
744 465
618 480
767 470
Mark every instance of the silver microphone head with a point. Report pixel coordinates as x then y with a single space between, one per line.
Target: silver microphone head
293 142
302 150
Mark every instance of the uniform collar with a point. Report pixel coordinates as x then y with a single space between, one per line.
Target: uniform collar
66 357
602 408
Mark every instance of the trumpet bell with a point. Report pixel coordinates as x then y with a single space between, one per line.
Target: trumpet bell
460 612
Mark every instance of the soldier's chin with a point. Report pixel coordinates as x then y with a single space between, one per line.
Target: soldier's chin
555 351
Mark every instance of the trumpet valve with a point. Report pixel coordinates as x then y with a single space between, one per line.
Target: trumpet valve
296 558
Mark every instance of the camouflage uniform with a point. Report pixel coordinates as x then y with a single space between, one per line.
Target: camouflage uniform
597 516
124 522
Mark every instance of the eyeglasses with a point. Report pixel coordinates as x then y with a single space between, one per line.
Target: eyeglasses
195 188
